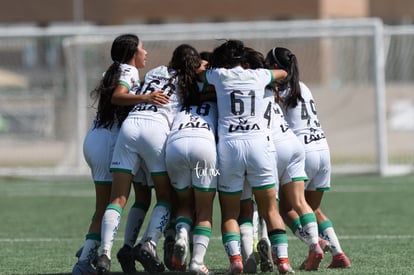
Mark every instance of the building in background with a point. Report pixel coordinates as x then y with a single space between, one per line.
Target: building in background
116 12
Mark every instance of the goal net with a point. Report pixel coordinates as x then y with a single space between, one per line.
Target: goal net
359 71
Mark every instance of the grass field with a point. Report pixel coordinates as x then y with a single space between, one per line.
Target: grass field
43 223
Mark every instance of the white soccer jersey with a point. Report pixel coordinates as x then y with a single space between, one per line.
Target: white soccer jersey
274 117
99 143
245 151
240 101
304 122
130 78
290 155
197 121
160 78
144 132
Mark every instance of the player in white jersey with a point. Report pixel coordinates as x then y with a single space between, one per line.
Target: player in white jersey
191 163
290 159
245 151
142 138
292 176
122 79
299 109
252 59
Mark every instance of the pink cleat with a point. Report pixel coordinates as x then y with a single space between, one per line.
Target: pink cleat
315 257
283 266
340 261
236 265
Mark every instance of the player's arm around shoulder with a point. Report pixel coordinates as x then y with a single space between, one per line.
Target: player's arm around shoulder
279 74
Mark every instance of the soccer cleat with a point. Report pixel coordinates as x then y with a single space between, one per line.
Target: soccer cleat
179 255
265 253
103 265
196 269
283 266
340 261
147 256
126 259
250 265
83 268
168 252
94 260
236 265
325 245
79 252
315 257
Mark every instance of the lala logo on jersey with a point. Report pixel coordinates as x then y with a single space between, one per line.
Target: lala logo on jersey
243 126
313 136
194 123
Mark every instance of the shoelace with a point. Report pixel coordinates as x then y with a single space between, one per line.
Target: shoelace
152 249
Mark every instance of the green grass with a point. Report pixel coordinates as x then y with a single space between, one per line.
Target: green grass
43 223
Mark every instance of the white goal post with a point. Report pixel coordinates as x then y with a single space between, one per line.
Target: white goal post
355 69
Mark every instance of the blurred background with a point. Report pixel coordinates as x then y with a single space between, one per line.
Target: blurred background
357 56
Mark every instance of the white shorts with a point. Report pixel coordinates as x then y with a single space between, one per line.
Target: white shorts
98 148
192 161
318 170
140 139
143 176
251 159
247 193
290 159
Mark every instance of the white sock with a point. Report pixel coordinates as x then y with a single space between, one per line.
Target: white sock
89 250
110 224
246 238
255 223
134 222
159 220
183 227
328 233
201 238
264 233
309 229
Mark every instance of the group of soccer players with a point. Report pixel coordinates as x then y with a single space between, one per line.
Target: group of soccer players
234 122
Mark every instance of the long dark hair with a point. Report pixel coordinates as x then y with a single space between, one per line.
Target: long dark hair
228 54
122 51
252 59
287 61
185 61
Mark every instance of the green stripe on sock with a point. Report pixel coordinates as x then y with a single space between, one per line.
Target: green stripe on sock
182 219
307 218
323 225
248 221
227 237
115 207
93 236
295 225
278 239
202 230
